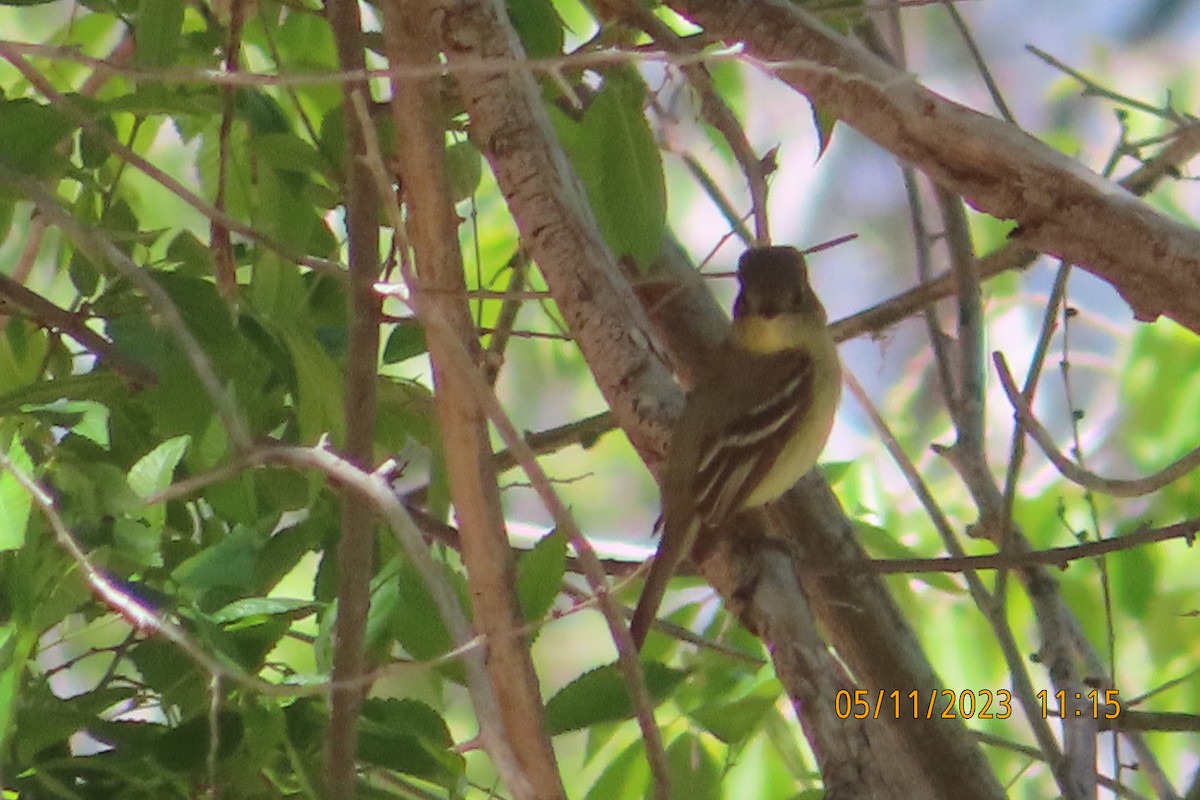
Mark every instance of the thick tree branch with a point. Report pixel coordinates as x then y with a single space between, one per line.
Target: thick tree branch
1061 207
512 129
432 228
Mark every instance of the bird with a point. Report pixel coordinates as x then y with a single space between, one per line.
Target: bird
757 418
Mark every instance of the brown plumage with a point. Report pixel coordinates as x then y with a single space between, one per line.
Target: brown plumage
756 419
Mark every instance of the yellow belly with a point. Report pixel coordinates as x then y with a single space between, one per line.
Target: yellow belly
800 454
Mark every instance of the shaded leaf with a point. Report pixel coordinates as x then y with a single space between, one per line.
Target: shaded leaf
601 695
159 23
539 576
618 161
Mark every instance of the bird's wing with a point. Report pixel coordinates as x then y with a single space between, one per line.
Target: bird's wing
736 457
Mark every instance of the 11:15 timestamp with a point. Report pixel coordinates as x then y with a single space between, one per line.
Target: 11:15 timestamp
1105 704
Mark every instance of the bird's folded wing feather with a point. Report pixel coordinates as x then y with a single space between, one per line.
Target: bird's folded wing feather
735 458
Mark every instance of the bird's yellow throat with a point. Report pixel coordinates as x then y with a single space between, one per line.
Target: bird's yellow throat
755 333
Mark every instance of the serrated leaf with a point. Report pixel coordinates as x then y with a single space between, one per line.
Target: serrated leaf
318 388
602 695
184 748
98 386
410 737
538 25
260 110
287 151
190 103
227 564
464 170
624 778
417 623
93 152
138 541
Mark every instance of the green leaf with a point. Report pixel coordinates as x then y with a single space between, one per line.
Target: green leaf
138 541
734 723
15 502
538 25
625 778
824 122
188 102
407 340
193 256
260 110
98 386
695 773
165 668
159 24
287 151
252 607
23 352
843 16
1135 577
464 170
417 623
539 576
92 151
29 136
410 737
318 388
152 473
184 748
883 544
614 153
601 695
227 564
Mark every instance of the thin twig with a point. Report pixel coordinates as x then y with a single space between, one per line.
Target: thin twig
1134 487
994 614
717 113
626 651
48 315
980 64
1093 89
355 547
507 318
1054 556
98 246
70 108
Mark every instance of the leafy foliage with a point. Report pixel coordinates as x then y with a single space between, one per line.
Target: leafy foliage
241 559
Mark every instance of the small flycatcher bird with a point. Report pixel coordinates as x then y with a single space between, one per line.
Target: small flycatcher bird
756 419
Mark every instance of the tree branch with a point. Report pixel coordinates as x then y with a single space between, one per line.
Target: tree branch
432 228
1061 207
355 549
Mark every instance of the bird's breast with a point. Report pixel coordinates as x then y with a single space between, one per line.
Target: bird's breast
800 453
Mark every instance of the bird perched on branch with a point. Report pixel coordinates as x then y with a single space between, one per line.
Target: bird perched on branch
756 419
